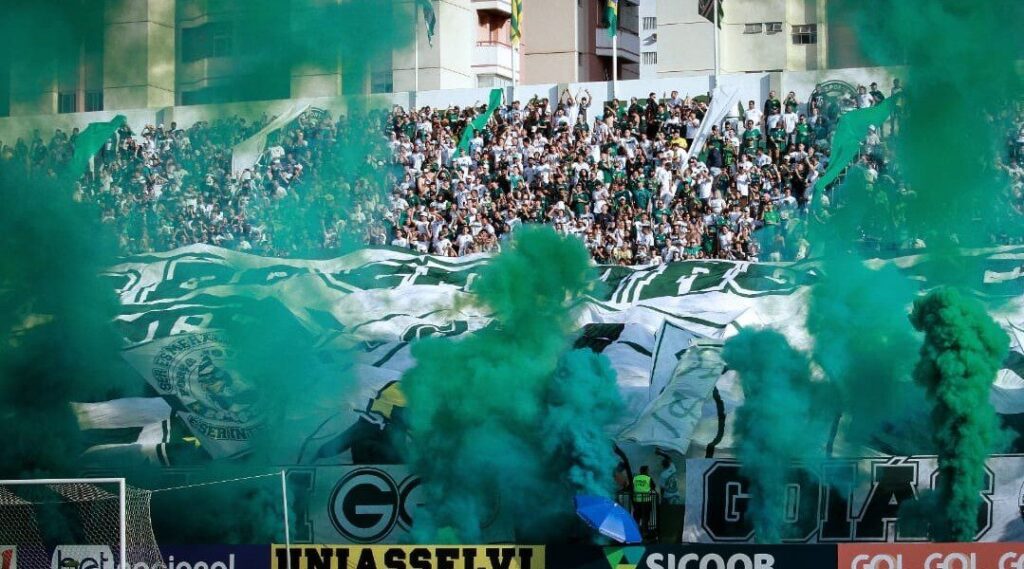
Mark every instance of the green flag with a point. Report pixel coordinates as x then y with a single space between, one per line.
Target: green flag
852 128
479 122
429 17
612 14
90 141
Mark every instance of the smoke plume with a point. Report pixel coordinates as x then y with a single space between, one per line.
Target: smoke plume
511 413
777 424
962 351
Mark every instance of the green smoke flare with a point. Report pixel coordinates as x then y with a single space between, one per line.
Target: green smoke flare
510 422
963 349
776 424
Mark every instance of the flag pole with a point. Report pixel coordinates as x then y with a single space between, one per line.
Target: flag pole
416 11
718 55
615 64
515 53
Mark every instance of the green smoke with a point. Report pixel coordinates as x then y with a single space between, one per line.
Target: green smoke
957 114
962 352
862 344
509 423
777 425
55 313
940 189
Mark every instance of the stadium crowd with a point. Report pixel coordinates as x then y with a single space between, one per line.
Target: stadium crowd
621 178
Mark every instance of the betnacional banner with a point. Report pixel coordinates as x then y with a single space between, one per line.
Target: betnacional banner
408 557
170 557
847 501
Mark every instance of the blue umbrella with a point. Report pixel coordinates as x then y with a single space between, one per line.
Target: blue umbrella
608 518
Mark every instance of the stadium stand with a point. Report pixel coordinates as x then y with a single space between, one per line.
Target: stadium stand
621 178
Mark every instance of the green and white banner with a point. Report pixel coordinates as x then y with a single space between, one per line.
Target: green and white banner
661 327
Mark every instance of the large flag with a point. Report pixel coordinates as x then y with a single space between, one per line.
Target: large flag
247 153
851 130
479 122
706 8
660 327
612 14
517 22
90 141
429 18
722 103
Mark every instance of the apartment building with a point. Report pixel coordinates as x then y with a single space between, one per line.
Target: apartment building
755 35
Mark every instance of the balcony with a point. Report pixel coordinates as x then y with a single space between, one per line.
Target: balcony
629 44
492 58
500 6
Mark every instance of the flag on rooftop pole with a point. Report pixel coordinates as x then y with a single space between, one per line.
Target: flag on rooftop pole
429 18
612 15
517 21
707 9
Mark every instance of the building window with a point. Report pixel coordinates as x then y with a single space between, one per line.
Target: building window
752 28
209 40
805 34
221 41
93 101
650 23
67 102
490 80
650 58
773 27
382 82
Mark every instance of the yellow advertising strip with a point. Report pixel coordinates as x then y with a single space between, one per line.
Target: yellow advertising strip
408 557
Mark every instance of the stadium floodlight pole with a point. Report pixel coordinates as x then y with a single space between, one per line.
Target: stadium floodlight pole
122 491
287 532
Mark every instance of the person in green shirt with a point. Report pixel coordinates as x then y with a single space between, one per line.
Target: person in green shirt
621 193
751 137
772 105
580 199
776 140
661 211
729 155
803 131
642 197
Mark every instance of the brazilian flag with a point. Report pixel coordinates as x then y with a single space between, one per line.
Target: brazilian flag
612 15
517 21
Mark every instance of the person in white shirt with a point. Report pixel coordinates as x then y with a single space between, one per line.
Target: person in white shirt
789 120
753 114
864 99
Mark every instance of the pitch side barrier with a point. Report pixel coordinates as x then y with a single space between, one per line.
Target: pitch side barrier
683 556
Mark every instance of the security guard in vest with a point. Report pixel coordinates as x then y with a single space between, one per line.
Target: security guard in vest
643 499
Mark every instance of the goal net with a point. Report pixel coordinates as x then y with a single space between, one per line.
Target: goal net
65 523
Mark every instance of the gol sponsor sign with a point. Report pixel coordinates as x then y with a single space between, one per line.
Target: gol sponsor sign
932 556
408 557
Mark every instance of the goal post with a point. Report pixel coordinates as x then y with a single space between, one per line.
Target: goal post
71 519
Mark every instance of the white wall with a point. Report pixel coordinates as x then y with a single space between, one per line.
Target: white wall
751 86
